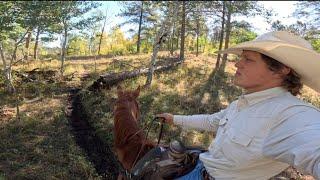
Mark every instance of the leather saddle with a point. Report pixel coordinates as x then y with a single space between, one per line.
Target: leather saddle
166 162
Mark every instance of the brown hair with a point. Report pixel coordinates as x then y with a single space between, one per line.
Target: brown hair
292 81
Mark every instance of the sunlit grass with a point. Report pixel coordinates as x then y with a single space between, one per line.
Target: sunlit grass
39 144
311 96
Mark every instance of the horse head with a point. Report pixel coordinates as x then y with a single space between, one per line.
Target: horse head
129 139
128 100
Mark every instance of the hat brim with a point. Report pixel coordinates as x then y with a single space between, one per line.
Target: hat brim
304 61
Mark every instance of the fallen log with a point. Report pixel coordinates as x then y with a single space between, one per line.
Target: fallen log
37 75
110 79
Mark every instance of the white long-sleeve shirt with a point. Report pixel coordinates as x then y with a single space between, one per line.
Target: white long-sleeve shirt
260 135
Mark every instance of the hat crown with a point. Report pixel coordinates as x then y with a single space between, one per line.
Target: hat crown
286 37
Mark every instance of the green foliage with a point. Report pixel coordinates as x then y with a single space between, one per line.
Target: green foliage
116 43
10 14
77 46
316 44
146 46
133 10
240 35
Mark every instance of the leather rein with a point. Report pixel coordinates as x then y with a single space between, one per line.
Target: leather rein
146 137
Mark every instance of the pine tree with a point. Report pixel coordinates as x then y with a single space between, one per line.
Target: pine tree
140 13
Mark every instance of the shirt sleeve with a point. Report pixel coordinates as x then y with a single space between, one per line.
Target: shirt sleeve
207 122
296 140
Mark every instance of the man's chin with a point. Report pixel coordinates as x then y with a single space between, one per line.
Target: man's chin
237 83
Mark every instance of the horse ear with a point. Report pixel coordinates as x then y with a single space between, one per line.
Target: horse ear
136 92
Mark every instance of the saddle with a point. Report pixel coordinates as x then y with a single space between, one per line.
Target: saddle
162 163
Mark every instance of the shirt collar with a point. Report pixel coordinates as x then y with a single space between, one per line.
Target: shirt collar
246 100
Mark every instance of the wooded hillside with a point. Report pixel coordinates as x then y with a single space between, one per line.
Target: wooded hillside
56 102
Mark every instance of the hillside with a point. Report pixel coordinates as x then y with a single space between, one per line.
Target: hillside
42 143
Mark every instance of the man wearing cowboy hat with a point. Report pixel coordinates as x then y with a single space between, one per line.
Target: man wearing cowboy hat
268 128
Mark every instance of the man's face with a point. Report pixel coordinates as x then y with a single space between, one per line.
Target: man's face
253 73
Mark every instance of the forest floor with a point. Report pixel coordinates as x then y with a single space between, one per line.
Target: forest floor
97 152
64 131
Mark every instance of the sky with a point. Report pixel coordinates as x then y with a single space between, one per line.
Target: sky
284 10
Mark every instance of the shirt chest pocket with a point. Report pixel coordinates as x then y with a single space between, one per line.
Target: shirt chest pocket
239 137
238 147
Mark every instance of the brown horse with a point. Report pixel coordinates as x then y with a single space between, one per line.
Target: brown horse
130 143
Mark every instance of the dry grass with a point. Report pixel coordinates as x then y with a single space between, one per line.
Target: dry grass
39 144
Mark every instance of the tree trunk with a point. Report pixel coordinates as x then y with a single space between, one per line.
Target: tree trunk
183 29
139 31
35 50
101 36
6 71
204 46
2 55
226 43
177 40
160 38
14 53
172 39
221 35
153 61
64 49
8 67
26 55
198 29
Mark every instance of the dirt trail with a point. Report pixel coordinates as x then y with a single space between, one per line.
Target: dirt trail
99 153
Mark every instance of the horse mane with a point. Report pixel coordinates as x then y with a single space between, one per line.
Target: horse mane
125 124
129 139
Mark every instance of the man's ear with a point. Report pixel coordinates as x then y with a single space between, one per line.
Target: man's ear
285 71
136 92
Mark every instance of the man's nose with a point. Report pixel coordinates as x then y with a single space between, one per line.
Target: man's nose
238 63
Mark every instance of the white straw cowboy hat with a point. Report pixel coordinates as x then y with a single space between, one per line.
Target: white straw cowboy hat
291 50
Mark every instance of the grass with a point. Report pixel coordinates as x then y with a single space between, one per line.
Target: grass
39 145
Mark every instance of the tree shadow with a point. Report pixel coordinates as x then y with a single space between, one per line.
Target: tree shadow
34 149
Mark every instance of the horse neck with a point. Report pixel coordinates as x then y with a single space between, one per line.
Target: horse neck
129 139
123 112
125 123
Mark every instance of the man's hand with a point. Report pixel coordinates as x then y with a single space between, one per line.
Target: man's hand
167 117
